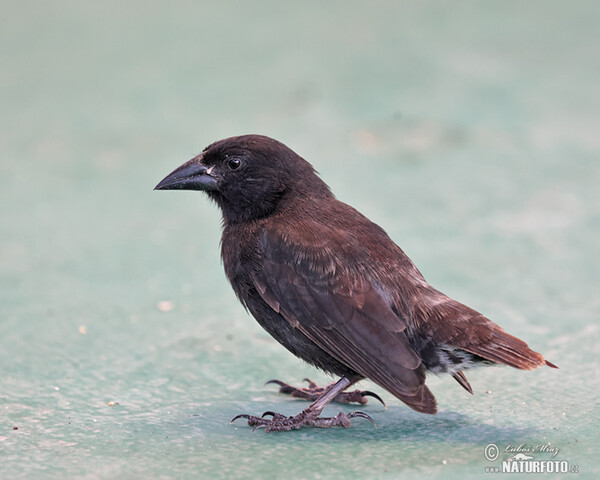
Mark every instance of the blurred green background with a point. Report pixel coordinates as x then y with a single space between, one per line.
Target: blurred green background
468 130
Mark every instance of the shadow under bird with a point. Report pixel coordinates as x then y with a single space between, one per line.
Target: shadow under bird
332 287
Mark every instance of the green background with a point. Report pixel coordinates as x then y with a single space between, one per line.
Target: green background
468 130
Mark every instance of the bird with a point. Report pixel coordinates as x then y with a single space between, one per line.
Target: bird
333 288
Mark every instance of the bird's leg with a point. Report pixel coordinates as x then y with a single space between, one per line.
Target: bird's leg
310 416
314 391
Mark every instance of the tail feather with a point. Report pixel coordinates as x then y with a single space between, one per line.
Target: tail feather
460 377
509 350
466 329
550 364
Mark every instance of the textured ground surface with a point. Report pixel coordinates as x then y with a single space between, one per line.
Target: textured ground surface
470 133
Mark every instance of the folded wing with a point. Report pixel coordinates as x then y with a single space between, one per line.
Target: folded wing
346 315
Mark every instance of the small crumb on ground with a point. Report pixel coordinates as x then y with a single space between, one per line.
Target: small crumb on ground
165 305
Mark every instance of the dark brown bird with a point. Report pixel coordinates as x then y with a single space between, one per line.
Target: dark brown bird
332 287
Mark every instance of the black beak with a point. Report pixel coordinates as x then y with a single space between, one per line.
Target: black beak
192 175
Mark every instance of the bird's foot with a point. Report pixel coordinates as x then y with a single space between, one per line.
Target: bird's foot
313 391
306 418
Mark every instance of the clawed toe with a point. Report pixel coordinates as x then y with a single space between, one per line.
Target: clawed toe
276 382
237 417
311 384
268 412
362 415
357 396
368 393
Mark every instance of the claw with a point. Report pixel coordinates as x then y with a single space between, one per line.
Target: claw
276 382
283 387
367 393
242 415
311 384
268 412
361 415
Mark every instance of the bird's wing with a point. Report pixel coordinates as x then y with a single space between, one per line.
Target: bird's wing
344 314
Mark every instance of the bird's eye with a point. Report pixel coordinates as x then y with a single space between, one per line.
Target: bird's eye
234 163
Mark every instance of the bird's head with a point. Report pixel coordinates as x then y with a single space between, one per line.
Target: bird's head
249 177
